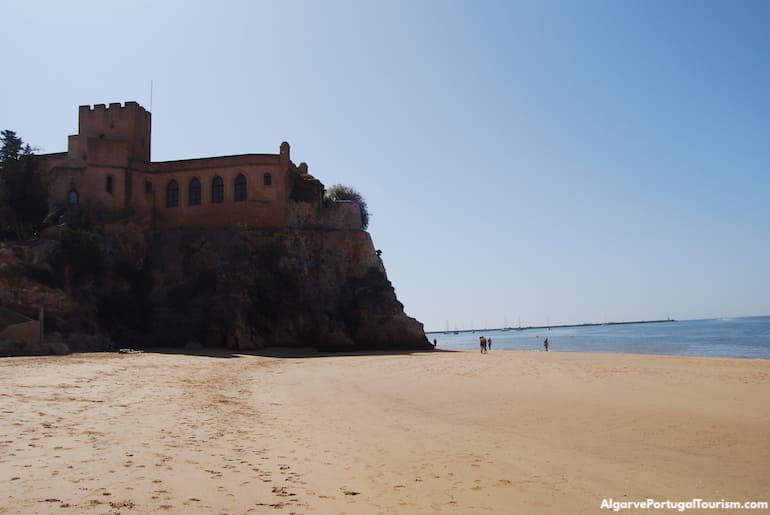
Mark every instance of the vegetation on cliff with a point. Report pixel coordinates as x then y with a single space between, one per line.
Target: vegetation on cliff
23 196
342 192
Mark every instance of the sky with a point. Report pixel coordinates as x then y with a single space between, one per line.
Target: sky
542 163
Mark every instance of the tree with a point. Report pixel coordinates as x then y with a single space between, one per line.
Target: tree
22 193
11 146
342 192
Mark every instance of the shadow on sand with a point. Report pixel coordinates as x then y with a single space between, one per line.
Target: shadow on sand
283 352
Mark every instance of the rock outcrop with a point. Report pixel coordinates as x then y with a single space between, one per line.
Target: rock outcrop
234 288
246 289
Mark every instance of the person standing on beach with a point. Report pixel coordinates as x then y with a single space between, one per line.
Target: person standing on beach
489 344
545 344
482 344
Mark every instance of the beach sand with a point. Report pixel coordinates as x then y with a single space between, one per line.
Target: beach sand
436 432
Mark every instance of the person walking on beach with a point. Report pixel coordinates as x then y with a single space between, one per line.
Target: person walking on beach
483 344
489 344
545 344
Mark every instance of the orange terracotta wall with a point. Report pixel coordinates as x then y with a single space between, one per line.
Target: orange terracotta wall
265 206
91 185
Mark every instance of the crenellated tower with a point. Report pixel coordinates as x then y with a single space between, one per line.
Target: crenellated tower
127 127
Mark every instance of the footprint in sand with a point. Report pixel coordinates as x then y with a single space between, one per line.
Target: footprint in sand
123 504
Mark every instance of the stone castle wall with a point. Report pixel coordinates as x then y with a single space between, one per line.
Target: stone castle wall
342 214
107 167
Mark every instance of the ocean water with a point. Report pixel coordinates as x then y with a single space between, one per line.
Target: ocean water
747 337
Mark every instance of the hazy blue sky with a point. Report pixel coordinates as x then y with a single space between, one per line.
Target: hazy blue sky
554 162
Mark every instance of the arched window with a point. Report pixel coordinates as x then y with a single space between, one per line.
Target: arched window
108 185
195 192
267 179
240 188
147 187
172 194
218 190
73 198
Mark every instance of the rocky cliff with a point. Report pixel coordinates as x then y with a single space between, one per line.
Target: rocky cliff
233 288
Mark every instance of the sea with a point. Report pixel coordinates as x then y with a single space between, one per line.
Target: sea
745 337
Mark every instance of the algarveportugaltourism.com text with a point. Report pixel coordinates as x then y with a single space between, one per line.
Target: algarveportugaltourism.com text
693 504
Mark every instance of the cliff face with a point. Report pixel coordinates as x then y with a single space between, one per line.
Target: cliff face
245 289
233 288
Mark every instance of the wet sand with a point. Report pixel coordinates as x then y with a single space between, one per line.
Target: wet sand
439 432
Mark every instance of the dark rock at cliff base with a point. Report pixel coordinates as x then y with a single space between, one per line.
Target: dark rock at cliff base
335 341
81 342
25 348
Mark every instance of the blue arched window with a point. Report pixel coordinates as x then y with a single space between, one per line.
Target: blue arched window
217 190
73 198
267 179
172 194
240 188
195 192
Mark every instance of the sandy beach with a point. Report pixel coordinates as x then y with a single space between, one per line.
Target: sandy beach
437 432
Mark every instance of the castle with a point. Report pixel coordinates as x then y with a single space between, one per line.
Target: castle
107 167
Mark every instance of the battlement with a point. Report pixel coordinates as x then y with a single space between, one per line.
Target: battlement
112 106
